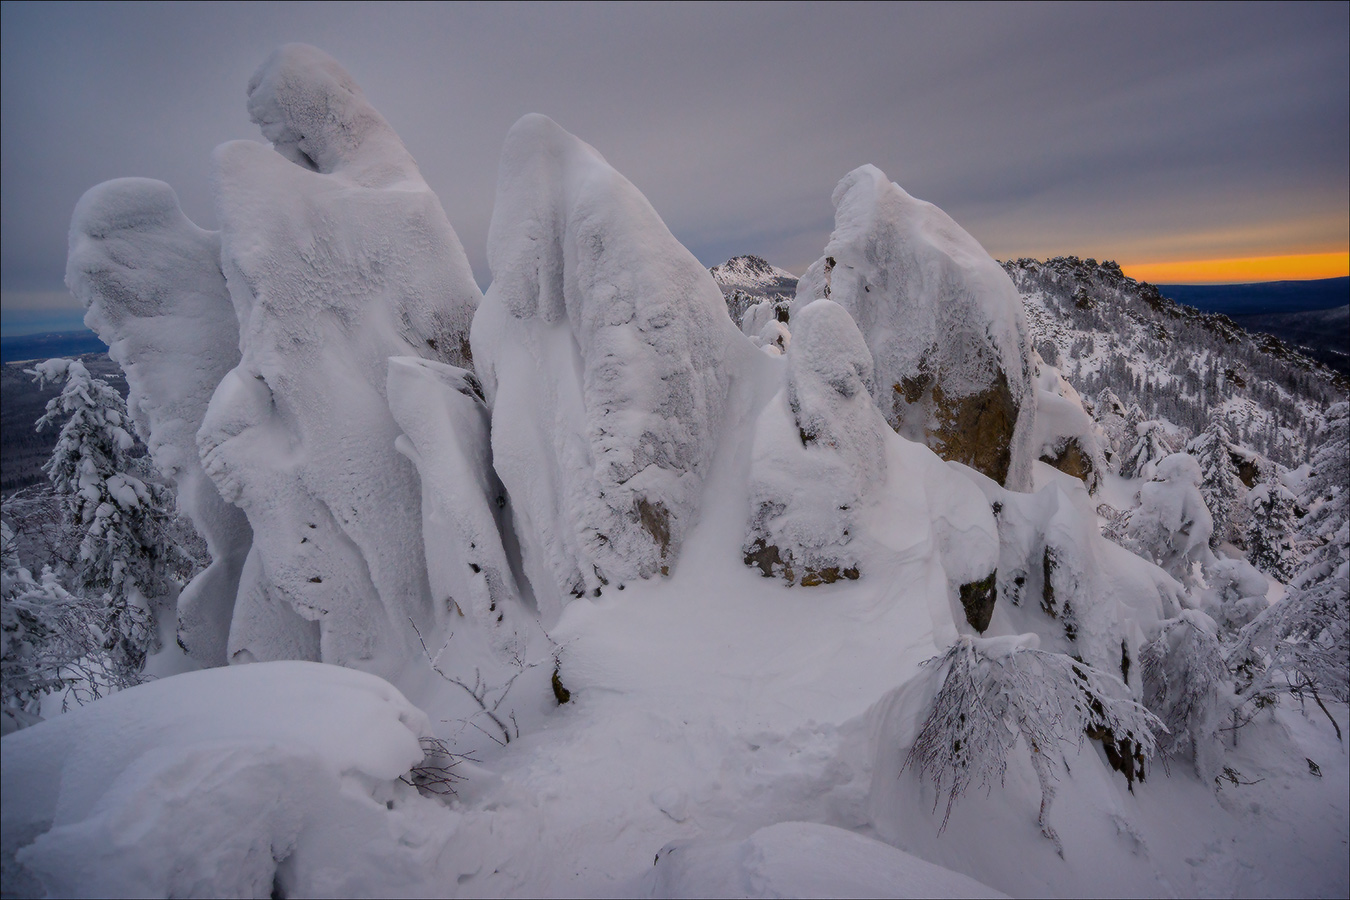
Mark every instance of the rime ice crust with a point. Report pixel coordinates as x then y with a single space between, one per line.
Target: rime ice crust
337 256
942 319
602 348
151 282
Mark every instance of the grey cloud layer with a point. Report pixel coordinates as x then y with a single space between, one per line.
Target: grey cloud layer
1099 130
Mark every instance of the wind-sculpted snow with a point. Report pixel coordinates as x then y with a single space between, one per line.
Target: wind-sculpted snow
819 453
603 349
337 256
445 433
943 321
151 282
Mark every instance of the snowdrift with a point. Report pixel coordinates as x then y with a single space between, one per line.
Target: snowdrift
239 781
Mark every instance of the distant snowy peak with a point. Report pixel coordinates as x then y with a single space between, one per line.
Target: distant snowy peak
754 275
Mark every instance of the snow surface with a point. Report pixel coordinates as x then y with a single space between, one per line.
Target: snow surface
605 352
151 282
929 301
337 256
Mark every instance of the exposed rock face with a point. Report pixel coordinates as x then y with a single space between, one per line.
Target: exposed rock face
151 282
819 452
943 322
337 256
602 346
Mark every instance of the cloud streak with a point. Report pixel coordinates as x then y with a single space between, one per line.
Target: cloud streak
1162 132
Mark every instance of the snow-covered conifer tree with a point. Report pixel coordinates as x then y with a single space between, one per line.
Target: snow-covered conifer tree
115 514
1302 644
1270 529
1220 486
1150 446
50 640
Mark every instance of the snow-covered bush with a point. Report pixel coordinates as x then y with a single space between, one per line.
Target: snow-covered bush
1271 528
1171 524
151 282
1185 685
943 321
999 690
819 453
116 513
1221 485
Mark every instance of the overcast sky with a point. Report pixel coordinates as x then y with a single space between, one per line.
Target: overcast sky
1140 133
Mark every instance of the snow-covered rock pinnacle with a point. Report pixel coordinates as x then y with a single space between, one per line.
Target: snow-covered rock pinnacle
601 347
819 453
337 256
944 323
151 282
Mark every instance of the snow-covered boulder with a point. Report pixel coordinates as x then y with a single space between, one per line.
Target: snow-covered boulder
819 453
943 321
150 281
1066 436
337 256
602 346
242 781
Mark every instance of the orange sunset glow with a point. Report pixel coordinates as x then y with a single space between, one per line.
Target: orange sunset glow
1242 270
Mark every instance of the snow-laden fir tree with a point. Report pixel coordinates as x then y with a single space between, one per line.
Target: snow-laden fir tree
1151 444
1270 529
1301 645
1221 485
50 641
117 517
997 690
1184 676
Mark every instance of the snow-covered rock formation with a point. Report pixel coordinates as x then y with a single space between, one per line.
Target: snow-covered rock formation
602 346
337 256
942 319
445 422
151 282
1066 436
819 453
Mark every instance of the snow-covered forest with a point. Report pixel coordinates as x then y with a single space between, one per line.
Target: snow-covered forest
920 575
